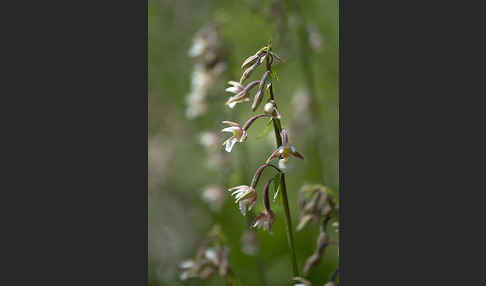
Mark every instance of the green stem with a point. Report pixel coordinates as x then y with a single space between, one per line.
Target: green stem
288 220
289 225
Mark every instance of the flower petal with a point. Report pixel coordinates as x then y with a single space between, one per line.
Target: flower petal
235 84
249 60
238 187
233 89
229 144
285 137
242 206
231 123
230 129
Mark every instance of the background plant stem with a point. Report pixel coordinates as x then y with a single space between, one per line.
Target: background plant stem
316 112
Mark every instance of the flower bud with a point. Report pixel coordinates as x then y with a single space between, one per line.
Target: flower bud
268 108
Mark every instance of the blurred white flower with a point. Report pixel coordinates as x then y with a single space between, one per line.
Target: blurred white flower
249 242
205 42
315 38
196 99
214 196
211 255
208 139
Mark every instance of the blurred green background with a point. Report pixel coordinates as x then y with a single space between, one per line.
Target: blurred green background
180 167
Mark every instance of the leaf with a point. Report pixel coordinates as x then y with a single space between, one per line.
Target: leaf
274 75
267 91
265 131
276 187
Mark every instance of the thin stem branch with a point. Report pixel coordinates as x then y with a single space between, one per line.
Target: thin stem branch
259 172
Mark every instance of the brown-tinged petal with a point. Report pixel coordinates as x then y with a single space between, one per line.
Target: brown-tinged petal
259 95
249 60
234 124
248 71
285 137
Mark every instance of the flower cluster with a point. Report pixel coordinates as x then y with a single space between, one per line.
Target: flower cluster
246 195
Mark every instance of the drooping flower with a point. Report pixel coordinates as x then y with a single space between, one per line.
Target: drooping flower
239 135
264 220
235 87
284 152
241 93
245 197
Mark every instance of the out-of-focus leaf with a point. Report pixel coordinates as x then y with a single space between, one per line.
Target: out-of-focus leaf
265 131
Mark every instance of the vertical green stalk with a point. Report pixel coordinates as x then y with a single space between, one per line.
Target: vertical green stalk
277 128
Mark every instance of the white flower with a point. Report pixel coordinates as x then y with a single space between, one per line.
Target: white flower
245 197
235 88
241 92
239 135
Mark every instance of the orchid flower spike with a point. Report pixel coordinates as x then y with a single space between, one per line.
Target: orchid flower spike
245 197
239 135
283 152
